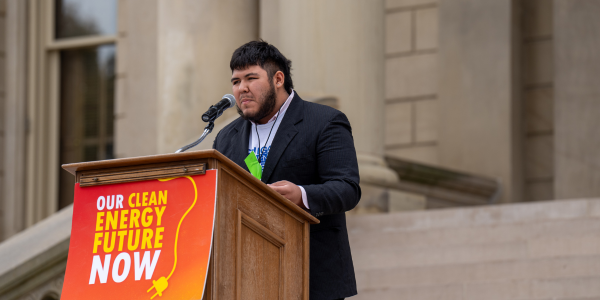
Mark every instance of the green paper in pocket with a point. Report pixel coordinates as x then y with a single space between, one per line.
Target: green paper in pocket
253 165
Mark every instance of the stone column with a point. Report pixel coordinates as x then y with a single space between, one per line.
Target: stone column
12 204
577 98
174 62
480 130
137 75
196 40
337 49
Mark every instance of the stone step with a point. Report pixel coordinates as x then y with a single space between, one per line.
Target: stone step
537 251
583 288
516 270
410 256
450 292
567 288
488 234
559 289
493 215
373 259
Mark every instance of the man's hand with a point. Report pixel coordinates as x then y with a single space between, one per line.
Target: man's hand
290 191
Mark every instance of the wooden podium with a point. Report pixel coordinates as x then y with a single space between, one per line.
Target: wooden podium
261 240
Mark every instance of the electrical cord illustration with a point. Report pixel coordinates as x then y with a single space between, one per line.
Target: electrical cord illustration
162 283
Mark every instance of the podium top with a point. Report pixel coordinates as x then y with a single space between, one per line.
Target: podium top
76 168
145 160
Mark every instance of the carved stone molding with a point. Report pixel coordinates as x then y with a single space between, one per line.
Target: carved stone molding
51 289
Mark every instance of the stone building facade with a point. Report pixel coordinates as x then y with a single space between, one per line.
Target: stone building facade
452 102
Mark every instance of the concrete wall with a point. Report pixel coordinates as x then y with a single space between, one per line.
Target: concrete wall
577 98
479 91
411 68
137 68
542 251
412 111
538 99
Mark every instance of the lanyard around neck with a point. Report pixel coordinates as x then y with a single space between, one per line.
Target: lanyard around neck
260 150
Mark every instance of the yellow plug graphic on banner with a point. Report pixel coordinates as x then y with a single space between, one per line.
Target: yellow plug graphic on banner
162 283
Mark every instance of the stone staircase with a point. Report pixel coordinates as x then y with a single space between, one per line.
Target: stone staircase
543 251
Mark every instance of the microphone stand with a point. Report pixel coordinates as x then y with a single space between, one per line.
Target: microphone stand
208 129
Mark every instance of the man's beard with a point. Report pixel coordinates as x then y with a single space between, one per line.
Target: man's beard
267 104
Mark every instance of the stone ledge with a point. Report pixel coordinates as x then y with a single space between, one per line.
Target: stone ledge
445 184
515 213
550 231
474 273
41 247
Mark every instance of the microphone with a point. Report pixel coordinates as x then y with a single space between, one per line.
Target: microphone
209 116
216 110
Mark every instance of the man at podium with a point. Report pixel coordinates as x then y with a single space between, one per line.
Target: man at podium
304 151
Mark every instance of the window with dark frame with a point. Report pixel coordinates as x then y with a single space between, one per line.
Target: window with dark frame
86 85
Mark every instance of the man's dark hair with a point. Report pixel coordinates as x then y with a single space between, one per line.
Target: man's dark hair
267 57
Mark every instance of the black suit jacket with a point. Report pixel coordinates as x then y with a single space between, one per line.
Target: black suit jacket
313 147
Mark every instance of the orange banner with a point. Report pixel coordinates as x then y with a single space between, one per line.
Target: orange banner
141 240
